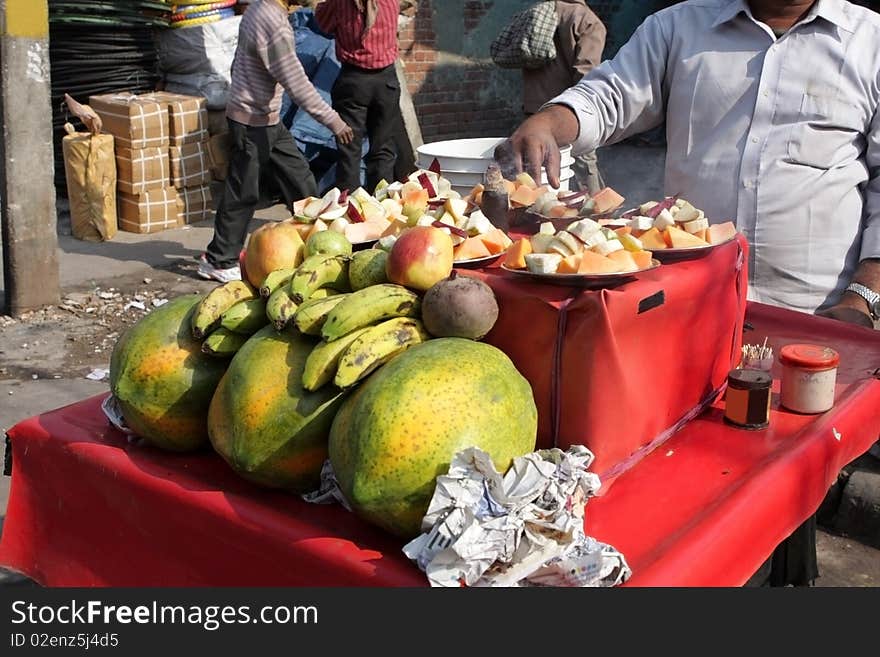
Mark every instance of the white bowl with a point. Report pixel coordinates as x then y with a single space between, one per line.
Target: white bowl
468 155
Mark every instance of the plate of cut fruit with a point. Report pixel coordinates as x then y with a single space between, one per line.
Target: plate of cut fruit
583 254
673 229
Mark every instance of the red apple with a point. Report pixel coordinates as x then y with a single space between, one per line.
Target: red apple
420 257
276 245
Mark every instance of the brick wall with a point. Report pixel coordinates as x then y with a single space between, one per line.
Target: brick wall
457 91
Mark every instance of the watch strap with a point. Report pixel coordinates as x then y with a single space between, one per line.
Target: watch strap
869 295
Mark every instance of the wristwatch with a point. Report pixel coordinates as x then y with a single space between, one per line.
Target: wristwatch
873 298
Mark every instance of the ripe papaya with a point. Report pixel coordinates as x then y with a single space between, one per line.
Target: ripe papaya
400 429
162 380
263 422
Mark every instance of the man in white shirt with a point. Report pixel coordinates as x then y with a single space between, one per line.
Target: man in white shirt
772 111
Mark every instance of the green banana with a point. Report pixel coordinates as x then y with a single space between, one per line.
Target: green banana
207 315
323 293
223 343
310 316
323 361
319 271
376 346
369 306
280 308
245 317
276 279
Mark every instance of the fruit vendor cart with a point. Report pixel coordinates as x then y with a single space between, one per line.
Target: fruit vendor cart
634 372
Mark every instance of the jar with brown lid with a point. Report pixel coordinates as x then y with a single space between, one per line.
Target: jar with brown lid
747 404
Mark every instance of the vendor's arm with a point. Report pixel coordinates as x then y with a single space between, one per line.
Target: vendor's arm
279 56
853 308
619 98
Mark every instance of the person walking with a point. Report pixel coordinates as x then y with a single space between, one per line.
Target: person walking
265 65
367 93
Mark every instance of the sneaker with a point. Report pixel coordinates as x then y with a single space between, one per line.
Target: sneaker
210 272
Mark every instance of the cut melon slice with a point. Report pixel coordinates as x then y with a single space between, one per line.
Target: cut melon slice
569 265
496 240
719 233
680 239
643 259
625 260
471 248
606 200
523 197
593 263
516 254
365 231
652 240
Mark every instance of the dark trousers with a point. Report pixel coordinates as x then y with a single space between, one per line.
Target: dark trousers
368 101
255 153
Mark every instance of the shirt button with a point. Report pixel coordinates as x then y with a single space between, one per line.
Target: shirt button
766 94
754 140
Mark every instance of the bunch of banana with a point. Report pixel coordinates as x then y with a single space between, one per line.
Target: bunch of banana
245 317
208 315
351 358
311 315
276 279
369 306
280 308
223 343
319 271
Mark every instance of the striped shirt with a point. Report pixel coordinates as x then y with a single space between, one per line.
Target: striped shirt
342 20
266 64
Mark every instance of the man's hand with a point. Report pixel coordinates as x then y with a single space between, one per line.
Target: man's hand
535 144
851 311
345 135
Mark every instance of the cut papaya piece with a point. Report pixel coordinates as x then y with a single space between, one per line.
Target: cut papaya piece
496 240
719 233
416 196
642 258
471 248
624 259
653 240
593 263
510 186
702 233
606 200
569 265
680 239
516 254
623 230
523 197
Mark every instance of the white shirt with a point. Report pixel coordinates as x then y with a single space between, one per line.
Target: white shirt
780 135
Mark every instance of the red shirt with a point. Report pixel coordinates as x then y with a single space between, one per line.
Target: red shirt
343 20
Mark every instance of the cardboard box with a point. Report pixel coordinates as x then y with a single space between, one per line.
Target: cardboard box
187 116
133 121
196 204
142 170
190 165
218 155
150 212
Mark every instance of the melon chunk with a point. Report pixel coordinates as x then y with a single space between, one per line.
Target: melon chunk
624 259
496 240
719 233
569 265
365 231
652 240
471 248
680 239
593 263
642 258
516 254
606 200
523 197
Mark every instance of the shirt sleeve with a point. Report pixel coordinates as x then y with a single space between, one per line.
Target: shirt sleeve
325 15
871 234
590 40
623 96
279 57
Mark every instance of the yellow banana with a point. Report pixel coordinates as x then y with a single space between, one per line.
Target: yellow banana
208 313
276 279
245 317
319 271
280 308
376 346
312 314
369 306
223 343
323 361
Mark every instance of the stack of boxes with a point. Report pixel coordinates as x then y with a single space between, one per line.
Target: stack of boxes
189 157
162 158
146 201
